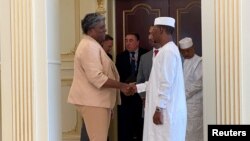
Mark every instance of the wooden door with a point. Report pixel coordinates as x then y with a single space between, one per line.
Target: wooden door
138 15
188 21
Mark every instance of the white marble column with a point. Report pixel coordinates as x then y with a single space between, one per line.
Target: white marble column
46 56
225 29
30 70
227 56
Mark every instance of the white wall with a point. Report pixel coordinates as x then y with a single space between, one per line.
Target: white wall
245 57
208 51
0 87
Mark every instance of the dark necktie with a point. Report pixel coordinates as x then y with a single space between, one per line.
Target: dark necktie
156 51
132 61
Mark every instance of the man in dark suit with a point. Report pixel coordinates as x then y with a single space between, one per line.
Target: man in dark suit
130 123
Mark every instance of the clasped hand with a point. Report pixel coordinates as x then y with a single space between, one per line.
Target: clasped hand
129 89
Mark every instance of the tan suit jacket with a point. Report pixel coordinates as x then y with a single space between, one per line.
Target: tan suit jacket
92 68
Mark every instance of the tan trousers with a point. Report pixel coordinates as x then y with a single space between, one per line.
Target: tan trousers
96 120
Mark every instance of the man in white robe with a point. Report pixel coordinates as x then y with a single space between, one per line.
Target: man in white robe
165 106
192 67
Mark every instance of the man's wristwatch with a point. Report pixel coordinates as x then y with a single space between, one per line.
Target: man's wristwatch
158 109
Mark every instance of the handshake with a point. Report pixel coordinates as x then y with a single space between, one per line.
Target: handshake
128 89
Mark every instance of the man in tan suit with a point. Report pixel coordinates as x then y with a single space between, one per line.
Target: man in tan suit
95 85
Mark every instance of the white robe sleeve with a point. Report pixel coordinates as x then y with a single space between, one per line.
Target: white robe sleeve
167 70
195 86
141 87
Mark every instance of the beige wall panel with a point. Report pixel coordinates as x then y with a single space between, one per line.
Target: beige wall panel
67 25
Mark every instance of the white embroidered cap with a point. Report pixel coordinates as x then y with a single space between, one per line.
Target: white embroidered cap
165 21
186 43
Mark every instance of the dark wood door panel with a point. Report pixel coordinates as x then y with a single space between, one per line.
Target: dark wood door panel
137 16
188 21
